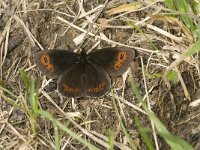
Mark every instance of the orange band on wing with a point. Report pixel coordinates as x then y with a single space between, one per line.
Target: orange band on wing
121 57
69 89
45 60
98 88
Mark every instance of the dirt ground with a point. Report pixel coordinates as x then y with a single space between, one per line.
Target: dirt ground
28 26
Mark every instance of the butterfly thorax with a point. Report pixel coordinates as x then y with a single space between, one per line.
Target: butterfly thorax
83 57
83 62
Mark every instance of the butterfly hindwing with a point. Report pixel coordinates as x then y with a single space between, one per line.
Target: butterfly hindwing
53 62
114 60
97 81
71 82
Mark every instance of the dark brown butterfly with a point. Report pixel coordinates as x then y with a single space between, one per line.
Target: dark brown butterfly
81 75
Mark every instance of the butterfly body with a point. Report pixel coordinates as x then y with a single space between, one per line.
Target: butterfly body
82 75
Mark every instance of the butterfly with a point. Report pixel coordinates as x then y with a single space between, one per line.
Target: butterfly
84 75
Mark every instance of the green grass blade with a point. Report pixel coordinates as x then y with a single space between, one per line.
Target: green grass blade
68 131
177 144
111 139
183 7
11 102
170 4
172 76
195 48
122 125
195 7
140 30
26 80
8 92
144 135
33 99
57 137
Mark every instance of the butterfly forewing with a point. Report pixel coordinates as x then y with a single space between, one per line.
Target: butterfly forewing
114 60
97 81
53 62
70 83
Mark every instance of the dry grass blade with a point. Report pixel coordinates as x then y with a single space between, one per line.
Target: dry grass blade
92 11
102 36
177 39
99 141
20 136
149 106
117 144
124 8
29 34
5 35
